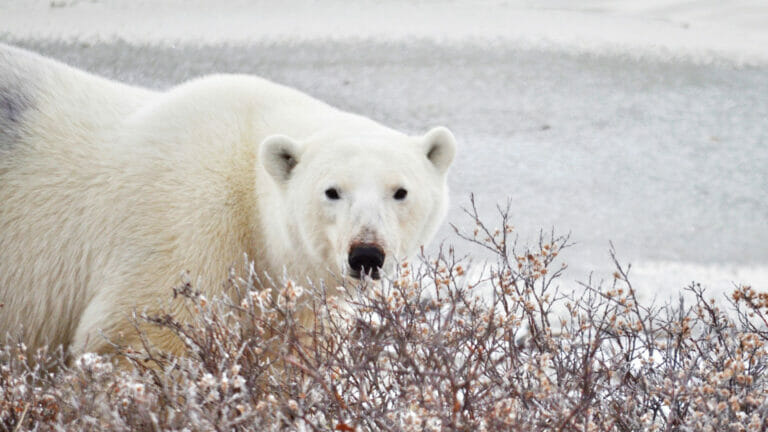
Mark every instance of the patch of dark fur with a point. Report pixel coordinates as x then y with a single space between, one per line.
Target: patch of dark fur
13 103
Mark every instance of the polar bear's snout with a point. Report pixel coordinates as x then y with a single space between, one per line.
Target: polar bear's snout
367 258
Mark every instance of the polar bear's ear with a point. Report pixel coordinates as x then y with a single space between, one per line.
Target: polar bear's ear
279 154
440 148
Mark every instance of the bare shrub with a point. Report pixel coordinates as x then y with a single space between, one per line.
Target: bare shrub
421 351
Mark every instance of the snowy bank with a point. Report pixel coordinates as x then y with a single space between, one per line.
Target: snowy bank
701 31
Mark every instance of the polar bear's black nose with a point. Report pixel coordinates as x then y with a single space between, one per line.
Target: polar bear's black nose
366 258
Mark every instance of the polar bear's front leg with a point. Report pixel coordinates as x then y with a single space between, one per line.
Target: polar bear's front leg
98 324
105 326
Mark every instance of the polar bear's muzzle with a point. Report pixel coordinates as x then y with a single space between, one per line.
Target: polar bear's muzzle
365 258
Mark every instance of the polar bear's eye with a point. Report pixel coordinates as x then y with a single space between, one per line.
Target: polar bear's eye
332 193
400 194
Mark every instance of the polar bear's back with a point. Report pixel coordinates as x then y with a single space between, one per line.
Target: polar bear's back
42 100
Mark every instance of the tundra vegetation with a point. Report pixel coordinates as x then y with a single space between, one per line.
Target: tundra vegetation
419 351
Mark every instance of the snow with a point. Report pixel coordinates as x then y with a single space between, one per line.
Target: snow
640 122
702 30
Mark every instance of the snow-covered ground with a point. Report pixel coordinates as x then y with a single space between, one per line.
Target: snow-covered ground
644 122
702 29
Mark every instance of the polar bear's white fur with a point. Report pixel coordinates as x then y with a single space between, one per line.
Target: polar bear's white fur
108 192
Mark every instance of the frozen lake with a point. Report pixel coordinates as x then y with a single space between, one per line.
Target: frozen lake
667 157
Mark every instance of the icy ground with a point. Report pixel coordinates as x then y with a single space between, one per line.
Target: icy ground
640 122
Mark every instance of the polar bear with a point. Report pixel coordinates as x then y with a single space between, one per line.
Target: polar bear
109 192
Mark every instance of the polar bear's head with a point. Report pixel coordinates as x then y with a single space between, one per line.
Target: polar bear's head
360 202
